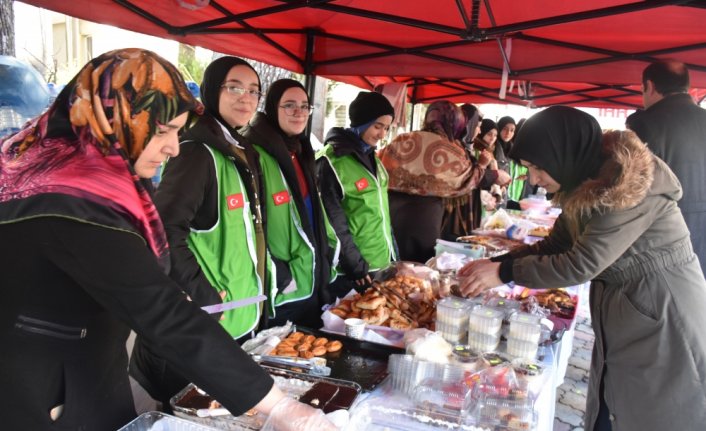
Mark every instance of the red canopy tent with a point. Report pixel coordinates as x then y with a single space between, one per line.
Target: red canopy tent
540 52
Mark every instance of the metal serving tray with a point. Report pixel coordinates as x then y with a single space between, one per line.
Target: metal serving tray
189 400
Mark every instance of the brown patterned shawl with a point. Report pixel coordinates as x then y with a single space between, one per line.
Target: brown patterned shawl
427 164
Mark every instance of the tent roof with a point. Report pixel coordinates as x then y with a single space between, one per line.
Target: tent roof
572 52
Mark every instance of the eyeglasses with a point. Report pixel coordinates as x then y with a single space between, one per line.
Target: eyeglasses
291 108
241 91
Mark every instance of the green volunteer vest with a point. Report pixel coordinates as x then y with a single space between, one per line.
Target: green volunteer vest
286 238
514 190
366 207
226 252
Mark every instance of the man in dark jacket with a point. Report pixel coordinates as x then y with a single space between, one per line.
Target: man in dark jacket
674 128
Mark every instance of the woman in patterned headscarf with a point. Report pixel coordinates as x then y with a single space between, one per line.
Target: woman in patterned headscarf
431 178
86 244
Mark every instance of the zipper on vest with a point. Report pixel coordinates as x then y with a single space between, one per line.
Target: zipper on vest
51 329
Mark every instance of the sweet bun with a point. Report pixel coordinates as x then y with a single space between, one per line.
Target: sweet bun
296 335
334 346
339 312
319 342
372 303
306 354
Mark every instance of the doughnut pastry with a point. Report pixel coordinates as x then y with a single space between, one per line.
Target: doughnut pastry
306 354
296 335
319 342
334 346
319 351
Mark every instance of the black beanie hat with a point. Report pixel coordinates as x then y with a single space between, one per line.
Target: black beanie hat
368 106
486 126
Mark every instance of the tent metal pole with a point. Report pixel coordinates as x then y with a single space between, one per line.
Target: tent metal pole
413 101
309 77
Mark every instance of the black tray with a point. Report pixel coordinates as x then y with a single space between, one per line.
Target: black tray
358 361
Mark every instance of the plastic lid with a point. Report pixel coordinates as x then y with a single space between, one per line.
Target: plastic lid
505 303
527 318
452 303
487 313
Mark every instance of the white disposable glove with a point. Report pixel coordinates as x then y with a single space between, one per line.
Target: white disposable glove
291 415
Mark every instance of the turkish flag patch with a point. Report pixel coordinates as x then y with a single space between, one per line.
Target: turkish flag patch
361 184
280 197
235 201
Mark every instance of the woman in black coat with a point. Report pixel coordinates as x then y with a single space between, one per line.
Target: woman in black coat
89 257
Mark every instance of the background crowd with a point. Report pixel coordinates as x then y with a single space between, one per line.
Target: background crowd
247 213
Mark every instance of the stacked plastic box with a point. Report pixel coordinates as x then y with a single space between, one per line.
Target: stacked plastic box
484 326
502 401
452 318
523 336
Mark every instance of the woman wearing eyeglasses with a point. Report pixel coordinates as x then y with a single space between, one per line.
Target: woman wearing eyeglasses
209 203
299 236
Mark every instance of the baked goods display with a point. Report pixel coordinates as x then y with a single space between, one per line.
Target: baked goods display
327 394
298 344
540 231
402 302
493 244
329 397
557 301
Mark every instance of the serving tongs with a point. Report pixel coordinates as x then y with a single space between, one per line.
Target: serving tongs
311 366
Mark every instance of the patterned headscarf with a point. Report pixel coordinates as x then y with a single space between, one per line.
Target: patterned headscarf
445 119
82 149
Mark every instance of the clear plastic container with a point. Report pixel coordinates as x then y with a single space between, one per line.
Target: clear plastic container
531 372
481 342
508 306
493 359
525 327
467 358
485 320
401 369
452 311
522 349
507 414
439 396
454 334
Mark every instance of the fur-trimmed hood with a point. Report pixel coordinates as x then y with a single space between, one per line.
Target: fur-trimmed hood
629 173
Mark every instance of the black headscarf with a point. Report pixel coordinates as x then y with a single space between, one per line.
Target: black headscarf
213 78
472 120
564 142
272 101
504 121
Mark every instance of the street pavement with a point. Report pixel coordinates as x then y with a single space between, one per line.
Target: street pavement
571 395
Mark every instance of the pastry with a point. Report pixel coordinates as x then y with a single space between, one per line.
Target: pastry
334 346
319 342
